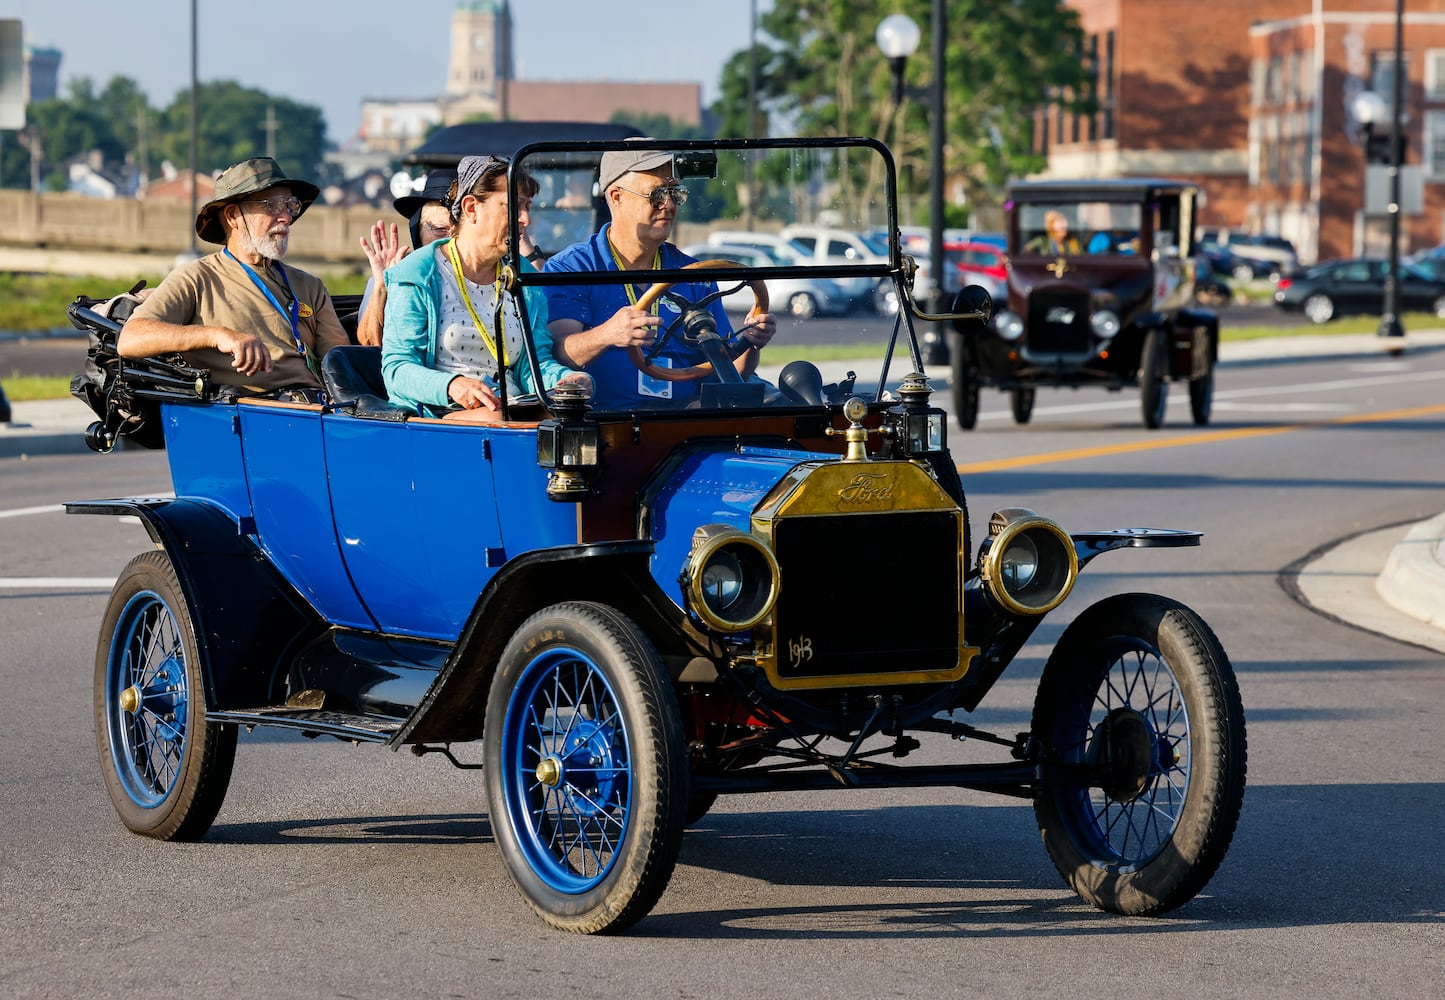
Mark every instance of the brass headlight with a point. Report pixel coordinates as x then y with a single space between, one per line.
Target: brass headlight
1028 563
730 580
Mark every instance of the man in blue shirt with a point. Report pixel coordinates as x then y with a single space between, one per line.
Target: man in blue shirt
594 325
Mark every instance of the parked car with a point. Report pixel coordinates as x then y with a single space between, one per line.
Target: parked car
974 258
1246 256
1113 319
637 610
1357 285
832 246
799 297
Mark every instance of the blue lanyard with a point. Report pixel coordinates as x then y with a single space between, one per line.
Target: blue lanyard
292 315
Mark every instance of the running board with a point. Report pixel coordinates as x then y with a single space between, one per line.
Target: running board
315 722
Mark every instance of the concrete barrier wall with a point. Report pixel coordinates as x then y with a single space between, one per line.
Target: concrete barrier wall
69 222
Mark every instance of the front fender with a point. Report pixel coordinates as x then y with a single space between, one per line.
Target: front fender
247 617
1088 544
611 573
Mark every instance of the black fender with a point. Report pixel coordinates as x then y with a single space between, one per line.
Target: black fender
247 618
611 573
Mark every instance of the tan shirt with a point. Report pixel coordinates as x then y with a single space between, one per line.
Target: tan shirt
216 291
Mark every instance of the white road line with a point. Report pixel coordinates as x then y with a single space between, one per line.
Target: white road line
53 508
56 582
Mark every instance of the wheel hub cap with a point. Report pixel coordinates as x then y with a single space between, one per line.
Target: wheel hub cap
549 771
130 700
1129 754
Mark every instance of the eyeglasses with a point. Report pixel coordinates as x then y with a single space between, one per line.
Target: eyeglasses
657 195
277 205
437 230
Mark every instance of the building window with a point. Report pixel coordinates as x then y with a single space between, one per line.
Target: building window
1256 82
1435 75
1382 77
1108 85
1434 152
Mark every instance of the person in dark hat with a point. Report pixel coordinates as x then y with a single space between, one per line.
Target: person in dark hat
430 220
240 313
594 325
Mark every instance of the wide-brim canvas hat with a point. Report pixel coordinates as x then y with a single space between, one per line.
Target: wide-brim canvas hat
249 177
617 162
438 184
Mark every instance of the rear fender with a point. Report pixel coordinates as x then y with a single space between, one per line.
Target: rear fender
611 573
247 618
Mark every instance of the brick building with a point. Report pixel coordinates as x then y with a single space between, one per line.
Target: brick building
1253 99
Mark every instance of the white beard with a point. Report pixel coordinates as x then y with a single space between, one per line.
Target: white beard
271 246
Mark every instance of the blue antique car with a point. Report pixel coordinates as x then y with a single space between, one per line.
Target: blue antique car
634 612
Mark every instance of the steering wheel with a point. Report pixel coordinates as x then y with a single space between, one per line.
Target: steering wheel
656 291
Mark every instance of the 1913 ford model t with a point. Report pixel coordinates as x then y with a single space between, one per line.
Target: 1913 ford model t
642 614
1100 280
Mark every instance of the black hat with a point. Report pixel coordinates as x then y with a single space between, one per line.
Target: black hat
438 183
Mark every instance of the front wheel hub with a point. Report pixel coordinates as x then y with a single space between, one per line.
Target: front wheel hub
1125 753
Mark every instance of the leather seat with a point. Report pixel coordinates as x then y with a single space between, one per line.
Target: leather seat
353 377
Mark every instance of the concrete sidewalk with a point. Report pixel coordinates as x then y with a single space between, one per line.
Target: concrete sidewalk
1390 581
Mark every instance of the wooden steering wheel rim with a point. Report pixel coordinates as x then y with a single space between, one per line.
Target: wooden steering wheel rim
653 293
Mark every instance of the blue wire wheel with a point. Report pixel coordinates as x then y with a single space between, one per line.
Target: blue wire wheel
586 767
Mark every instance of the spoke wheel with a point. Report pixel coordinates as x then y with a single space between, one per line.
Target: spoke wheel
1153 390
586 768
166 768
1139 693
1201 396
965 385
1021 401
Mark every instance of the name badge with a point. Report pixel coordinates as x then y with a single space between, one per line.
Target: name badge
656 388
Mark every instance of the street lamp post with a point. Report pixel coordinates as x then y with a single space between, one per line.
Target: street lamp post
1390 319
898 38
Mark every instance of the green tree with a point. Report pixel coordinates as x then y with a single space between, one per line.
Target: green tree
820 73
233 126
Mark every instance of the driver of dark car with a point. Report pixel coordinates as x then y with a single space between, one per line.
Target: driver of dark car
594 325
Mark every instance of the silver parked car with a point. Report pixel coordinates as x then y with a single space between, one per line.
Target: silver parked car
801 298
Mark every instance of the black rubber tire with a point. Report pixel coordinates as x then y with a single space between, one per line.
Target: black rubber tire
965 385
698 804
1201 396
1243 273
1153 390
1021 402
616 737
166 768
1127 660
1438 307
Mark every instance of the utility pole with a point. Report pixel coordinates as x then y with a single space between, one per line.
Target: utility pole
142 154
271 126
195 142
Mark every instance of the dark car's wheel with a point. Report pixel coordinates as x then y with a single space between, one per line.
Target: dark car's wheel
1243 272
965 385
1438 307
801 305
1021 401
586 767
1319 308
1153 390
166 768
1201 396
1140 694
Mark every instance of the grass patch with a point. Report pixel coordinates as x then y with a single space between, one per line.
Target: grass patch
32 302
23 388
1350 324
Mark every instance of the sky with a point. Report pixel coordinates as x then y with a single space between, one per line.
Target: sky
334 53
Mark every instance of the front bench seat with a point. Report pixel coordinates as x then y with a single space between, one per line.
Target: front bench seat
353 377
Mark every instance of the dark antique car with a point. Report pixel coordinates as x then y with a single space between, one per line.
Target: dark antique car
1110 306
775 589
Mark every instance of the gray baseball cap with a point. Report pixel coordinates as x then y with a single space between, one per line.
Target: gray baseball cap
616 162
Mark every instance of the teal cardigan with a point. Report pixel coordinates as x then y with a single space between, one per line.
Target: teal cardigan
411 326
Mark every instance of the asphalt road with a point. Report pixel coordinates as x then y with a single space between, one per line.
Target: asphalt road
336 870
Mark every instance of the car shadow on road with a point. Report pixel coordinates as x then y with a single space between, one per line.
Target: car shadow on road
461 828
1304 855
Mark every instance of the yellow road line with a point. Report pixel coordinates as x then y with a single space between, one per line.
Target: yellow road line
1206 437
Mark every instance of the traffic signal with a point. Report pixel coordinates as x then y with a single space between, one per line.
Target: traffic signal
1377 146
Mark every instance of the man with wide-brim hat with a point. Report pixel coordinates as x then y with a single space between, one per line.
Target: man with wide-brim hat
240 313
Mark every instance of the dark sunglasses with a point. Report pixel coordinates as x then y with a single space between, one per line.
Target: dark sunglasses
661 193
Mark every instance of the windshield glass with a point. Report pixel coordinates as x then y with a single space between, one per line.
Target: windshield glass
1095 227
607 247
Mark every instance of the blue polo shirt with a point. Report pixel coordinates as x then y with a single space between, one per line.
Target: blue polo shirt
620 386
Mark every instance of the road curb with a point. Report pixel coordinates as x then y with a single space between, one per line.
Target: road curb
1413 580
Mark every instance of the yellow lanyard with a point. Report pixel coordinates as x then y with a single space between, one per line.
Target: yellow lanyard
501 356
631 292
